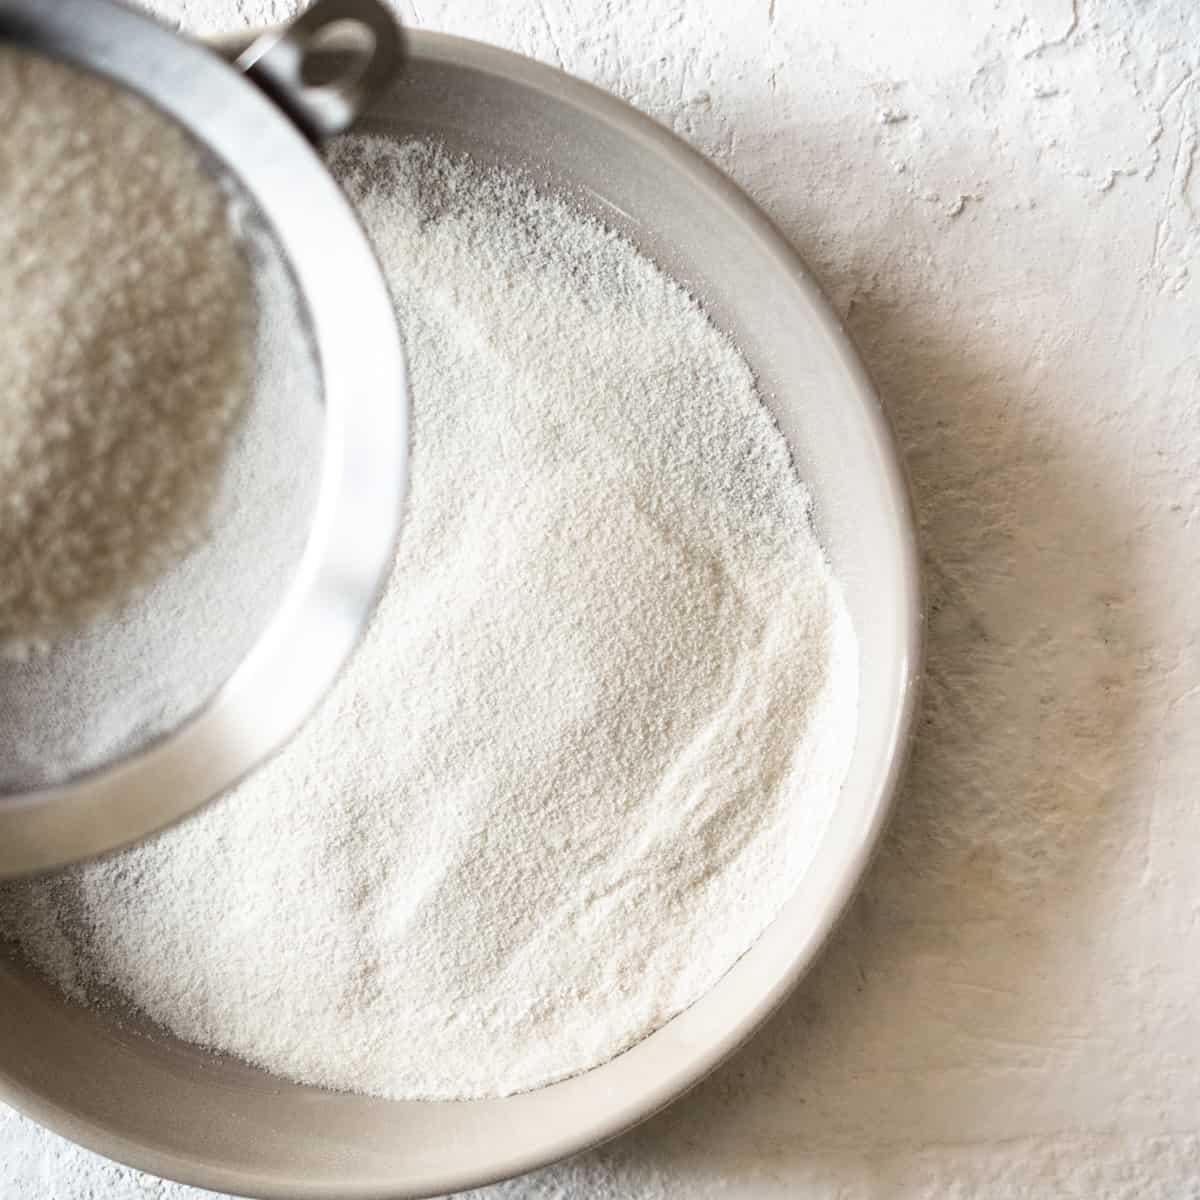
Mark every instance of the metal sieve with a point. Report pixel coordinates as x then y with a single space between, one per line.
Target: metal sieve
136 720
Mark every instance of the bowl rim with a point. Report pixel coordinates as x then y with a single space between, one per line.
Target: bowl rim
441 49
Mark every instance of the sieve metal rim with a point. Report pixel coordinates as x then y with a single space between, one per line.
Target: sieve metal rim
364 467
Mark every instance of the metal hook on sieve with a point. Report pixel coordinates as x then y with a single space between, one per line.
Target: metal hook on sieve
327 63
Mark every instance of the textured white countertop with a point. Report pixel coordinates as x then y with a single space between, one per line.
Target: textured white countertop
999 196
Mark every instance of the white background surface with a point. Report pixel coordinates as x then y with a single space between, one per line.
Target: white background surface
999 196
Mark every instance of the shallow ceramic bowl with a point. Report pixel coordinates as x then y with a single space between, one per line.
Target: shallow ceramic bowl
175 1111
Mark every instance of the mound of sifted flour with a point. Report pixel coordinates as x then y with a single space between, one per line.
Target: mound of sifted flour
592 737
123 301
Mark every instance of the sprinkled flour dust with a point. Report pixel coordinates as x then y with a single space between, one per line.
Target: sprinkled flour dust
592 737
122 342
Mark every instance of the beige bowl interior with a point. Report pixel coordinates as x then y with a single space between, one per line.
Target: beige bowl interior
177 1112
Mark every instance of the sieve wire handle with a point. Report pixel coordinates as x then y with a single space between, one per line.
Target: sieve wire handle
323 67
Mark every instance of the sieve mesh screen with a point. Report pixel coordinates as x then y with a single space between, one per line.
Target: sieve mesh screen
127 678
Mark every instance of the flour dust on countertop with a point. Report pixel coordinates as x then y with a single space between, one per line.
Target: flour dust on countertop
594 732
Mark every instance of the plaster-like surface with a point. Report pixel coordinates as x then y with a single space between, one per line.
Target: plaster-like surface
1000 197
